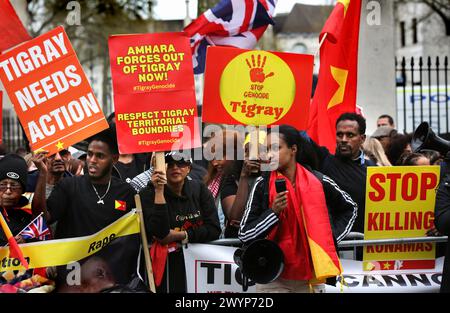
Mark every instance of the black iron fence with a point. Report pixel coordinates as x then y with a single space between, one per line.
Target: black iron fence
13 134
422 93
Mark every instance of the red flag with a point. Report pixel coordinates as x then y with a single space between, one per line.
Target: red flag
12 31
336 88
14 249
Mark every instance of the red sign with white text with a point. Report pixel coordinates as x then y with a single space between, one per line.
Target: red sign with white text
154 94
50 92
250 87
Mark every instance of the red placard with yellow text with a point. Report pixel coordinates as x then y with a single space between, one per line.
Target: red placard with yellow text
154 94
50 92
249 87
400 204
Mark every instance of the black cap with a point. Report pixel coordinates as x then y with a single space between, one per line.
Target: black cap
177 156
14 167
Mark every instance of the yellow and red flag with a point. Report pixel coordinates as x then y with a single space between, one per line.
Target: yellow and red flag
14 249
12 31
336 88
120 205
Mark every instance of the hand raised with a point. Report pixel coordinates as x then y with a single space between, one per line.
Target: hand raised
40 161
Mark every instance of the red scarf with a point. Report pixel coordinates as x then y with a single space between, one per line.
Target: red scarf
304 222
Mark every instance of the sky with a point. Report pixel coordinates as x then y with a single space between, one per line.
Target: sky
176 9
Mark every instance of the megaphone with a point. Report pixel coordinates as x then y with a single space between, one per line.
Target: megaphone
262 261
425 138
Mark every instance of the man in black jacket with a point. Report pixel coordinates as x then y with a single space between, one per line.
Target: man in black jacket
83 205
348 167
442 218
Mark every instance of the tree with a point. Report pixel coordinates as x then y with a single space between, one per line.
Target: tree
204 5
439 7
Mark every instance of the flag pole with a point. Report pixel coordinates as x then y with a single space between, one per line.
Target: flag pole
26 227
30 223
254 146
320 44
148 260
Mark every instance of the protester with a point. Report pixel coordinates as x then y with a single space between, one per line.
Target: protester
13 179
178 212
384 135
432 155
57 170
348 168
291 218
399 144
385 120
239 182
414 158
83 205
442 219
374 151
225 148
141 181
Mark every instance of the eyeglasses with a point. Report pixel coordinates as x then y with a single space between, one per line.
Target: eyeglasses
179 164
12 187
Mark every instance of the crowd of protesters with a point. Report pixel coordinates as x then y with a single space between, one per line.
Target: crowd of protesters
222 196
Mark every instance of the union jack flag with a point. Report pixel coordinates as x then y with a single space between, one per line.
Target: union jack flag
237 23
37 229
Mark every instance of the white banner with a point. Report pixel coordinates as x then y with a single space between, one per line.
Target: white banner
406 281
431 97
211 269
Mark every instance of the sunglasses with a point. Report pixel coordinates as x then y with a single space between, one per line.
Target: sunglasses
12 187
179 164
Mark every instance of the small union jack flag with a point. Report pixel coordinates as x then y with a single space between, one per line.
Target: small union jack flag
37 229
235 23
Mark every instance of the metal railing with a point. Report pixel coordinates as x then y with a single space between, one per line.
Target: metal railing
13 134
352 240
422 85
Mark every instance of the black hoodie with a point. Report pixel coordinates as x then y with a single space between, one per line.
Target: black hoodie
194 211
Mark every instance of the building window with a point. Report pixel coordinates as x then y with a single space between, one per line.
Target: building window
414 30
402 34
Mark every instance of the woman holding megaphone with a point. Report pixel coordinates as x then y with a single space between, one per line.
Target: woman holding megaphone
304 220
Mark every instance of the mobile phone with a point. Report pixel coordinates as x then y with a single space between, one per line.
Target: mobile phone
280 185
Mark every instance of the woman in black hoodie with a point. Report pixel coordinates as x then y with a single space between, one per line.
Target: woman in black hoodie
177 211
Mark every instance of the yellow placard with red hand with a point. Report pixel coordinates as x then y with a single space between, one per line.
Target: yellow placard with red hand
249 87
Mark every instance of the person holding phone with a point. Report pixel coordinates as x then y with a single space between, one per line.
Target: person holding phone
305 219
